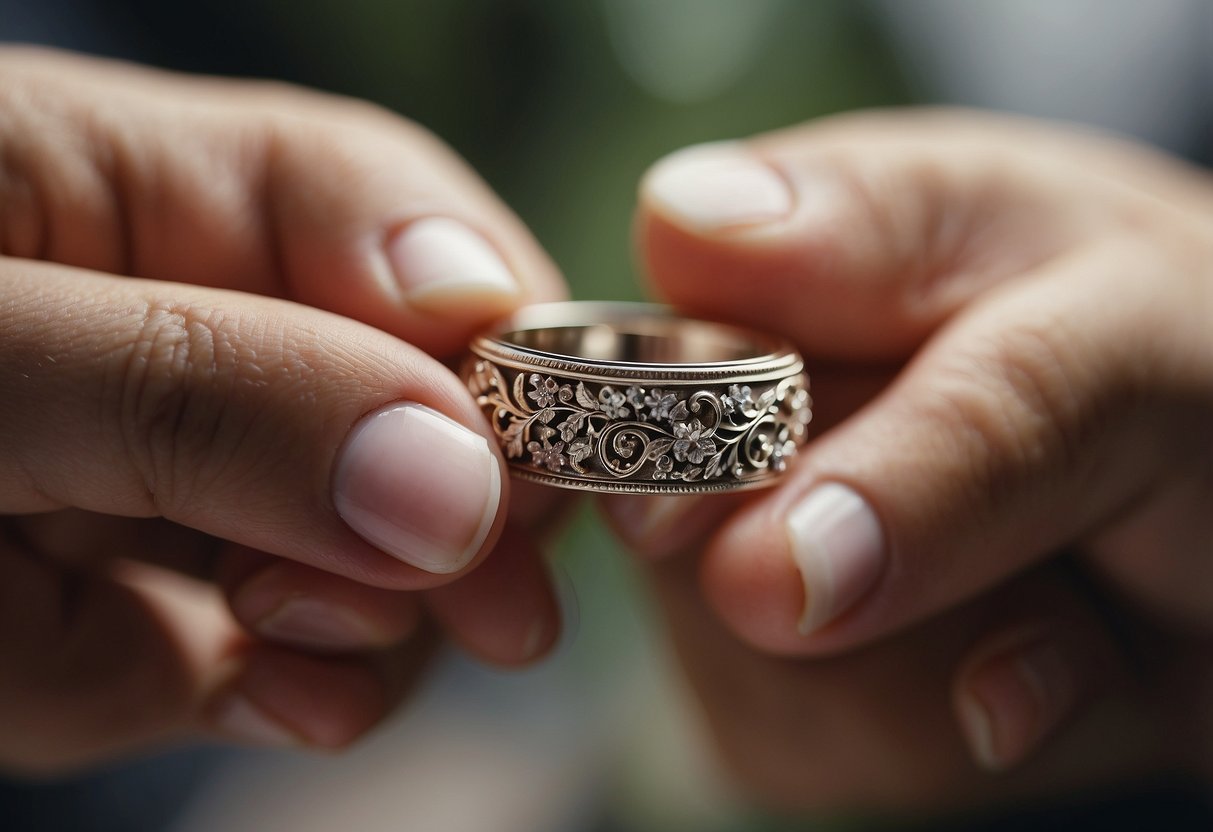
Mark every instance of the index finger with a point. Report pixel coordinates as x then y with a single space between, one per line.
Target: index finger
258 187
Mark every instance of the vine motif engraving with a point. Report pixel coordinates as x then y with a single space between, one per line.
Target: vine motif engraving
642 433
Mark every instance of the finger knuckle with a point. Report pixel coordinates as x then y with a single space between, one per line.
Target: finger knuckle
295 118
175 386
291 102
56 181
916 217
23 231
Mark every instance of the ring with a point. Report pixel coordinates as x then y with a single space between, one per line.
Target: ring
629 397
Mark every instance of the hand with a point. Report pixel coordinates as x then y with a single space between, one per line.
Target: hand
274 420
996 555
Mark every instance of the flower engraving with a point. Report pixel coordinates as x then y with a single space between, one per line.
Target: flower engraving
660 403
738 402
547 455
692 442
679 434
613 403
544 392
798 410
783 448
635 397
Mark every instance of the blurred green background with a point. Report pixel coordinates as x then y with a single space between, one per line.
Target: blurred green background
559 105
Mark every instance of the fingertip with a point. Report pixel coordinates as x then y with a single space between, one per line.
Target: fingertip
444 267
420 487
647 523
389 227
663 525
837 544
538 508
506 612
568 606
299 606
752 583
790 573
716 188
236 718
811 240
706 210
279 698
1015 690
718 226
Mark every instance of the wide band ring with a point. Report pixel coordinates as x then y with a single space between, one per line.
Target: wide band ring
628 397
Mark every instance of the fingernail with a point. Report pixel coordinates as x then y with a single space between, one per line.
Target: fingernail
313 623
275 608
714 186
838 547
440 262
570 607
653 525
1011 701
419 486
239 719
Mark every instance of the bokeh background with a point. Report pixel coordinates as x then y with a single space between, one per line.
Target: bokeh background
561 105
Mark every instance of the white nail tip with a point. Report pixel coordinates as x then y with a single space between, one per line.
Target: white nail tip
570 607
438 257
713 186
838 547
979 731
534 639
492 503
241 719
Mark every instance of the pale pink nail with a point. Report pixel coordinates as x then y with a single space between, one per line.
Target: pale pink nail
418 485
239 719
570 606
440 262
714 186
655 525
1008 703
313 623
838 547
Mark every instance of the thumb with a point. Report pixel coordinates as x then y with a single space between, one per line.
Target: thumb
858 235
290 430
258 187
1053 385
1041 410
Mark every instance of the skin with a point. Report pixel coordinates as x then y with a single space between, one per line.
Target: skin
991 369
193 315
1008 328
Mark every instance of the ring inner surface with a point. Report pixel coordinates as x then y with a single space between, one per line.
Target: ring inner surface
646 341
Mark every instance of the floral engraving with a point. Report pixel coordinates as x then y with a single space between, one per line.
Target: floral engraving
675 433
692 441
660 403
613 403
547 455
737 402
